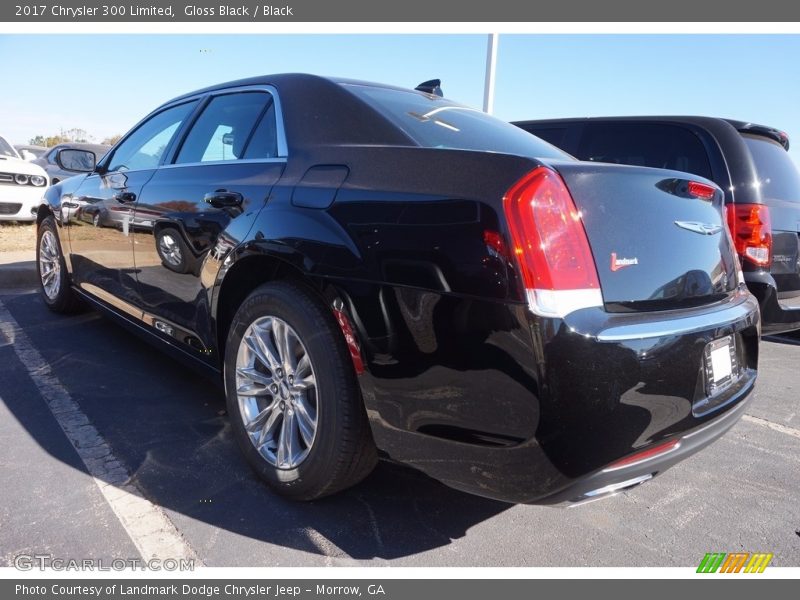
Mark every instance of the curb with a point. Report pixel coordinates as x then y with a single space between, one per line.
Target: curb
17 275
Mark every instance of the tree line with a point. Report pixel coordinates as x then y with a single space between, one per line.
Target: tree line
74 135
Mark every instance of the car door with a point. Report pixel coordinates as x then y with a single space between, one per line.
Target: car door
200 205
100 232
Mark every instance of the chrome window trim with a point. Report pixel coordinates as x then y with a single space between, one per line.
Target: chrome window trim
234 161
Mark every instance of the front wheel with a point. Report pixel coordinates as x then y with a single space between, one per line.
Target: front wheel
172 250
52 269
292 394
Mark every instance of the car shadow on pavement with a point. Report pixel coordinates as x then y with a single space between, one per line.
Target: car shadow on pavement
168 426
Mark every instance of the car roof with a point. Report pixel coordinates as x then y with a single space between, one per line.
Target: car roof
319 110
278 80
710 123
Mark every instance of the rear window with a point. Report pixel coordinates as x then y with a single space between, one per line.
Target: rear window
553 135
434 122
777 174
646 145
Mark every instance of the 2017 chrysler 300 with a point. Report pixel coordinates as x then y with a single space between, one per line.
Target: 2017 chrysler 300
369 267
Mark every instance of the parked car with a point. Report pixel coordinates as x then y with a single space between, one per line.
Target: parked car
57 172
29 152
749 162
21 185
389 269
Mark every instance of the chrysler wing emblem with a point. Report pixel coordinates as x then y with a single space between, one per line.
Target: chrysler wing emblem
697 227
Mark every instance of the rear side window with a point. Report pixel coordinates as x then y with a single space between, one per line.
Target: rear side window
223 130
777 174
645 145
434 122
264 143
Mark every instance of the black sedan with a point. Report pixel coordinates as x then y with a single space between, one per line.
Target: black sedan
377 270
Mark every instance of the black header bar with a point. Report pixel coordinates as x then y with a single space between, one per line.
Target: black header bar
450 11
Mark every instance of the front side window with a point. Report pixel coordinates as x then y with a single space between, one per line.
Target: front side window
225 129
145 147
6 149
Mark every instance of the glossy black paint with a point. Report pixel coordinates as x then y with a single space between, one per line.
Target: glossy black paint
462 381
734 169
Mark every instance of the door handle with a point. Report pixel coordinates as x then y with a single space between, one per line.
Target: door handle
125 197
223 199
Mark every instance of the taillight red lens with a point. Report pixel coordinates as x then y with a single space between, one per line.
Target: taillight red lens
549 240
701 190
751 231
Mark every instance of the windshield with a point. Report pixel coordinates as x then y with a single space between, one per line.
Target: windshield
778 176
434 122
6 149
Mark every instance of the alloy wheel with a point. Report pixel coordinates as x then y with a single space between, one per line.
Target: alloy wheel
50 264
169 249
277 392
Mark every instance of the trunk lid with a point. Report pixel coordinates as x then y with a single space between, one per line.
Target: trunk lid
655 245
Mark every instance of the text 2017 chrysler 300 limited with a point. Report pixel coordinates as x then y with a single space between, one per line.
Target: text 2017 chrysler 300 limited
374 268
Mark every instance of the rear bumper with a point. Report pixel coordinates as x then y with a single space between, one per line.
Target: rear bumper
603 387
777 315
604 483
19 202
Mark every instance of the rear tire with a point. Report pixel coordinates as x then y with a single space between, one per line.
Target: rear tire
284 325
52 269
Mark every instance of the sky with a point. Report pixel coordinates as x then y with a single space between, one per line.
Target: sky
104 84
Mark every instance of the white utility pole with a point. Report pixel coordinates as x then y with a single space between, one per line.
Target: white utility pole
491 64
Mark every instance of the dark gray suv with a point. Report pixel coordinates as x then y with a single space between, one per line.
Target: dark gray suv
749 162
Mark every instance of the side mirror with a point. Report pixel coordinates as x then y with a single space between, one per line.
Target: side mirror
80 161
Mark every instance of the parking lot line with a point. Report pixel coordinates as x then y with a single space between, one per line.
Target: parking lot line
772 425
148 527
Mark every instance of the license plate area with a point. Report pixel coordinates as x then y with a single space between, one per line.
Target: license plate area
721 364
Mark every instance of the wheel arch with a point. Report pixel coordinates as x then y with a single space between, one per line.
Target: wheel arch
250 269
44 211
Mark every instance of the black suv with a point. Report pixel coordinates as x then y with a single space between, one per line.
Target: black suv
749 162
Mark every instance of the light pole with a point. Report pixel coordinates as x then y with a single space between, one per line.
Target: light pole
491 64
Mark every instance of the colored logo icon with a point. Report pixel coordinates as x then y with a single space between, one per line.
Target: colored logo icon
736 562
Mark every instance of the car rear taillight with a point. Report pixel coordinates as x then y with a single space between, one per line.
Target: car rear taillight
752 232
550 245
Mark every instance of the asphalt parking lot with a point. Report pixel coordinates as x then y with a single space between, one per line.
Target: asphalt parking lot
167 426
